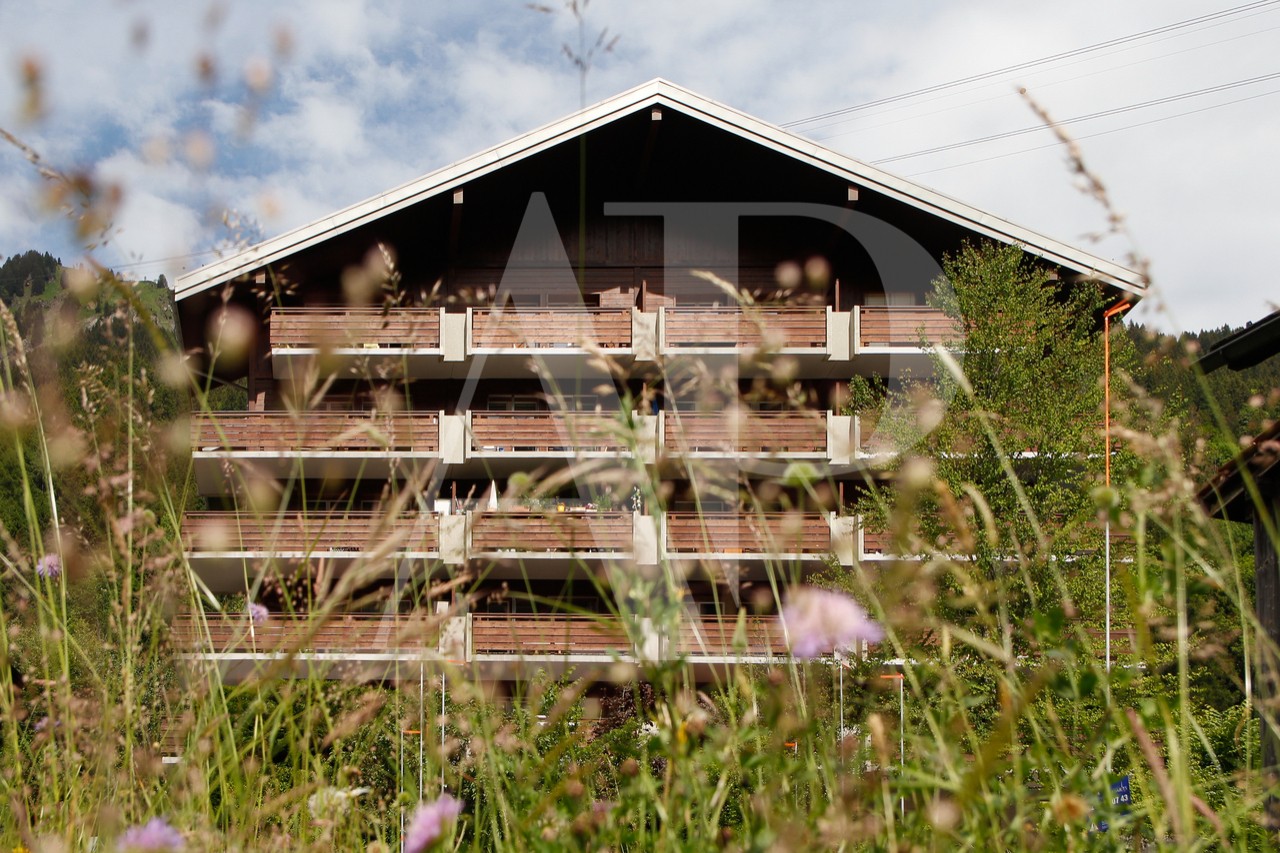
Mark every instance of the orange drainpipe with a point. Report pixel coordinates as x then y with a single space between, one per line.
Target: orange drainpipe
1119 307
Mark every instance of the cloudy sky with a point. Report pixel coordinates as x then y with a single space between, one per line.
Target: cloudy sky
238 120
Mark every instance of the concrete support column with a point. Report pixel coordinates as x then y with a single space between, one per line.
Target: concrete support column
647 442
649 647
455 632
841 440
454 543
844 537
455 438
840 334
644 335
644 539
455 334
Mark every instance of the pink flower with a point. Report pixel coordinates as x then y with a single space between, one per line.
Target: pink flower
258 613
429 823
154 835
820 621
49 566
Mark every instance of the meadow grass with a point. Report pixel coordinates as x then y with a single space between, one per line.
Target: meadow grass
1011 730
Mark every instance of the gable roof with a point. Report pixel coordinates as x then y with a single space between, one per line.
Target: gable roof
660 93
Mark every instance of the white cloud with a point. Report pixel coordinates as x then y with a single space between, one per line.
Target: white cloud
374 94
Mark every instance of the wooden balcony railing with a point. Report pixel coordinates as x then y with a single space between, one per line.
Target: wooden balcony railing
749 533
544 431
804 328
878 542
575 532
524 328
353 632
901 325
747 432
722 635
392 328
309 431
520 634
305 532
537 634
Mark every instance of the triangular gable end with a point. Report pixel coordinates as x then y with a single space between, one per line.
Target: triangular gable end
656 93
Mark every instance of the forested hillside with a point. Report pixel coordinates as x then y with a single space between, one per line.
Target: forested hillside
1219 408
81 355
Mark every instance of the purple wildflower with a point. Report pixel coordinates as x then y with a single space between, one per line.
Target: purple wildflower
258 613
820 621
429 823
154 835
49 566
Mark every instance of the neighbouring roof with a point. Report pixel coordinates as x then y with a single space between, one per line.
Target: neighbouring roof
1253 344
656 93
1230 493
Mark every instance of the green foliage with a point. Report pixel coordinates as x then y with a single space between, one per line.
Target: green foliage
1011 724
1214 410
31 272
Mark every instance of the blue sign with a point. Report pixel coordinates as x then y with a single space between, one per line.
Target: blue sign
1121 797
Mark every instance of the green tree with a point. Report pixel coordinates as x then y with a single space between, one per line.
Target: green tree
1009 421
31 269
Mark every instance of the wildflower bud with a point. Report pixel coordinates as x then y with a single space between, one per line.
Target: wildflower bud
198 149
230 334
879 737
574 788
1069 808
943 814
82 283
257 75
929 414
173 370
696 724
155 151
788 275
630 768
817 272
15 411
916 474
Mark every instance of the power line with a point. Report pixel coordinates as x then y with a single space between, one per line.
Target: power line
1039 87
1097 134
1021 66
1087 117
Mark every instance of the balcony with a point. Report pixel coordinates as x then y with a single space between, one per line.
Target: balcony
311 444
516 437
553 329
551 538
368 341
795 434
747 535
699 328
898 328
715 636
1088 541
540 636
220 544
340 635
535 635
495 645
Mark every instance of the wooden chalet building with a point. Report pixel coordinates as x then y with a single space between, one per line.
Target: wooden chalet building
417 363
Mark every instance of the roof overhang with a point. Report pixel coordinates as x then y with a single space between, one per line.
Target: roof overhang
1253 344
1234 491
657 93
